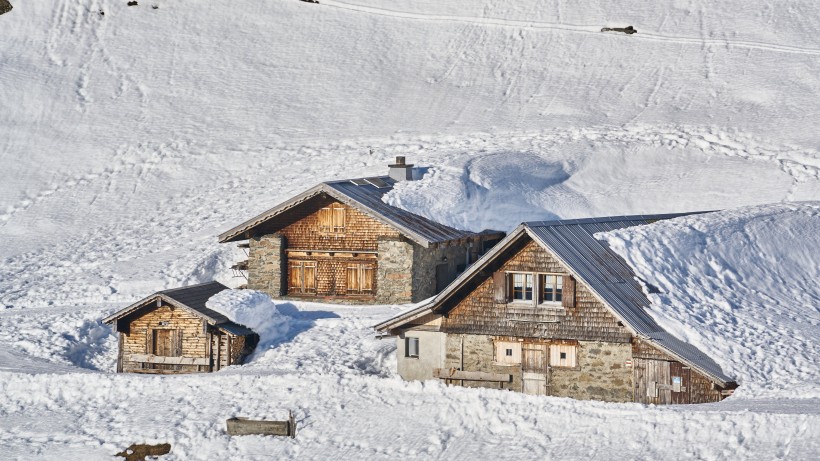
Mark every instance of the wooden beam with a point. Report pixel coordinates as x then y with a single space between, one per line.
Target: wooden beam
450 373
150 358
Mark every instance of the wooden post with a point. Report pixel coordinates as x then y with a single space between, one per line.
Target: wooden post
119 354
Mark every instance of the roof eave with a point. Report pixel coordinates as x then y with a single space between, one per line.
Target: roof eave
235 233
146 301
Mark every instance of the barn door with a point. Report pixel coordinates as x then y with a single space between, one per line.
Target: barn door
534 368
653 381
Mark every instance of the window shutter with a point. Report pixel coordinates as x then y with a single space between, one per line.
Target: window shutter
295 269
367 278
325 220
352 279
310 278
338 219
568 295
500 287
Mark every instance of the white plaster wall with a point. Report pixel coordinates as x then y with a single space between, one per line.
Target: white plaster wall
431 355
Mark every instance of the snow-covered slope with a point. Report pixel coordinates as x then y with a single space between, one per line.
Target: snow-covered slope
129 140
743 285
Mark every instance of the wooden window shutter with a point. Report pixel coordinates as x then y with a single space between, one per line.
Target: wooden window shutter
367 278
500 287
568 295
338 219
177 343
352 279
309 278
325 220
295 273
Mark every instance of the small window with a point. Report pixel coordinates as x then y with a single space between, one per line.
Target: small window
563 355
552 288
522 286
411 347
507 353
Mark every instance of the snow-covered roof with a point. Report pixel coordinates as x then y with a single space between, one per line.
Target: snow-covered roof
590 260
191 298
366 195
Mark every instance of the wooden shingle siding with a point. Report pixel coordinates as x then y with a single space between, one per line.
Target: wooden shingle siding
480 312
361 232
181 322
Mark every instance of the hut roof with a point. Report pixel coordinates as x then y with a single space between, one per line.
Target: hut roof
191 298
598 266
364 194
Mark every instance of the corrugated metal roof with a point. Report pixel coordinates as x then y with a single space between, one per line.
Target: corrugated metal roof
193 298
363 195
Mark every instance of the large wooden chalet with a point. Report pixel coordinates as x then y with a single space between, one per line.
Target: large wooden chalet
340 242
172 331
552 310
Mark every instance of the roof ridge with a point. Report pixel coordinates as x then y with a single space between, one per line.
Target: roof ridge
603 219
171 290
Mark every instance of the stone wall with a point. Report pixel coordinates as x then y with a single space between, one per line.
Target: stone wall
477 353
394 273
425 264
601 374
267 264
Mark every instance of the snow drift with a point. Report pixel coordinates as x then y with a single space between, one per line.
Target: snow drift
741 285
255 310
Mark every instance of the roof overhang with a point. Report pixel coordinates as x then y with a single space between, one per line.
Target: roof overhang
146 302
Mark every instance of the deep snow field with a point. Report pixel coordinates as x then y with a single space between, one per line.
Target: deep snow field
129 140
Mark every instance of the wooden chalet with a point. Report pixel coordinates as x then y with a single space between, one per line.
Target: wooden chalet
552 310
340 242
172 331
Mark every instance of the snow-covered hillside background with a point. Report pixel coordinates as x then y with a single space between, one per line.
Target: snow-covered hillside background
130 139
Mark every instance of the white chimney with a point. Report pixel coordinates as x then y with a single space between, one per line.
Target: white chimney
401 171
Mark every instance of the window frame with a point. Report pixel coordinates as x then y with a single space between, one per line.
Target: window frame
558 280
407 341
511 287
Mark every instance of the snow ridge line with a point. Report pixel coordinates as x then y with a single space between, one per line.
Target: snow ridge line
577 28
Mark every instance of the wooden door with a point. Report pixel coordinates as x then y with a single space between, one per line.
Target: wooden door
166 343
653 381
534 368
442 277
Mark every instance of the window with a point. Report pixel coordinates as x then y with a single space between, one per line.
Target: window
522 286
507 352
551 288
411 347
332 219
360 279
563 355
302 277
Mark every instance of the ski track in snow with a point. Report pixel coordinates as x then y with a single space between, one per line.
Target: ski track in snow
575 28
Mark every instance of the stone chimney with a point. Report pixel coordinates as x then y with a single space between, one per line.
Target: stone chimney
401 171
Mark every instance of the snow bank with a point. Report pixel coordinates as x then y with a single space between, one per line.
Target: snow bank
742 285
255 310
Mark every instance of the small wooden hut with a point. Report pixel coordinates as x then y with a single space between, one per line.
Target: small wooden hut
552 310
172 331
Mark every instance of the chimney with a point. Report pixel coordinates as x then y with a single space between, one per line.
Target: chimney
401 171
